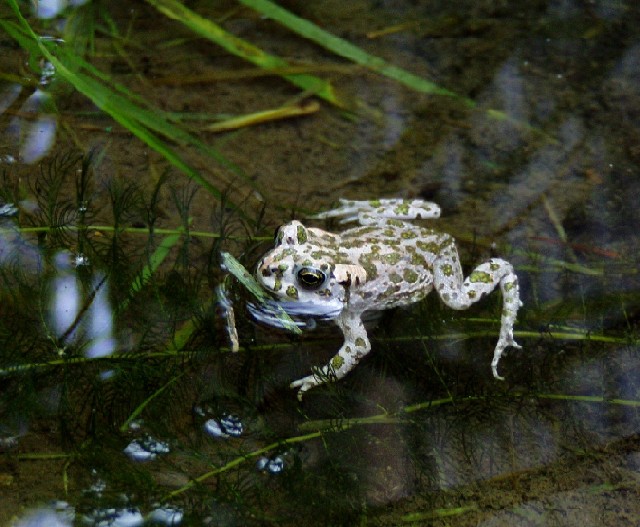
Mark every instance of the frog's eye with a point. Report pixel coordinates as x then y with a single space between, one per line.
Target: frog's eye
311 278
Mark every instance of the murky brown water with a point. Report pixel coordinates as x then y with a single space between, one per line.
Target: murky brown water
420 432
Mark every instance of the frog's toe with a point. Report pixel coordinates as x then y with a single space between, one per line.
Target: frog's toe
303 385
494 366
499 351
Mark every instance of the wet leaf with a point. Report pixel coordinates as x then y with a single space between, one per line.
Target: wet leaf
244 277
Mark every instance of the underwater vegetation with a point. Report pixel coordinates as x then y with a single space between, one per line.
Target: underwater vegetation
148 152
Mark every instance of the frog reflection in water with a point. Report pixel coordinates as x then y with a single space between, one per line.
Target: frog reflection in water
385 262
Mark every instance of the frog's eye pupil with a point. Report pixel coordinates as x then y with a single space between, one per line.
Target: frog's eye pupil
311 278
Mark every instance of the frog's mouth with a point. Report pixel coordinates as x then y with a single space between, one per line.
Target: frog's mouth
304 314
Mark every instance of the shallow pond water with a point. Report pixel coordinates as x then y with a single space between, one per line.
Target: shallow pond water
121 402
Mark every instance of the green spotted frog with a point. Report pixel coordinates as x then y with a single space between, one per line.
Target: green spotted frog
383 263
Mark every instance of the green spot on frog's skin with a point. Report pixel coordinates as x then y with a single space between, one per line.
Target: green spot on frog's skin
396 223
418 260
410 276
480 277
292 292
374 249
446 269
471 294
337 362
408 235
360 231
277 285
302 234
369 267
389 232
283 267
354 244
494 266
285 253
375 203
360 343
395 278
431 247
391 258
389 292
402 209
307 263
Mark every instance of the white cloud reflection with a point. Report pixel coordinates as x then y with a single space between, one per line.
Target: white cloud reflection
100 322
36 134
65 297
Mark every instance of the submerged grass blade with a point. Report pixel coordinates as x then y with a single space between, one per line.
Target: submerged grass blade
71 361
244 277
345 49
399 416
212 31
316 429
158 256
138 410
284 112
118 103
239 460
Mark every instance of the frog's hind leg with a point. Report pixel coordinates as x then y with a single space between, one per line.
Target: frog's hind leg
459 293
356 345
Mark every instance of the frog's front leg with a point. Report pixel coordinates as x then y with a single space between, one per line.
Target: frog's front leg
356 345
459 293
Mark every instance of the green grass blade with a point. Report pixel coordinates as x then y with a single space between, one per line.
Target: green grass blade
144 124
244 277
158 256
347 50
211 31
138 410
154 118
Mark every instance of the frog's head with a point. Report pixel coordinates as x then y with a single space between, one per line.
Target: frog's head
303 273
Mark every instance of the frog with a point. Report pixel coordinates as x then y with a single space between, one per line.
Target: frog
384 262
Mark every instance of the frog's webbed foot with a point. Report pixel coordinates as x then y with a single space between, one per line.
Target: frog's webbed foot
503 343
341 364
370 212
356 345
310 381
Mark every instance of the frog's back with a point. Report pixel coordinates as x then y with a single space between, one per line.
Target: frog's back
404 240
398 260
